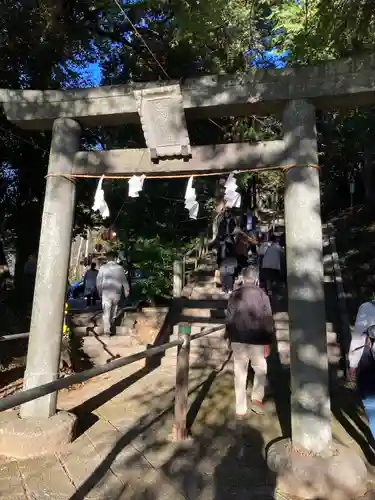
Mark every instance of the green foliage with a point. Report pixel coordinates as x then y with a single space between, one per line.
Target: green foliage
156 260
317 30
45 45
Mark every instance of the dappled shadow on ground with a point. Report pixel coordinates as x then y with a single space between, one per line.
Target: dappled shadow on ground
85 410
347 410
223 460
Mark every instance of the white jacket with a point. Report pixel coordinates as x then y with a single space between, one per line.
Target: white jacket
111 280
365 318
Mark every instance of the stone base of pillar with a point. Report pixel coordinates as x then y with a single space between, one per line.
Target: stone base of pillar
339 474
32 437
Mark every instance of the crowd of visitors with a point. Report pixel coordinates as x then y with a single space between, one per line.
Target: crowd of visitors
238 243
250 268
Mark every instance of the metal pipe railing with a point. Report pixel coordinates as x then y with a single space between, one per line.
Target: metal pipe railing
16 336
62 383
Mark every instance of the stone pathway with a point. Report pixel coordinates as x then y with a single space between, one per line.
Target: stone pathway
124 449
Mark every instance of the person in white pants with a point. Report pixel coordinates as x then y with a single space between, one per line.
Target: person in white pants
110 283
250 330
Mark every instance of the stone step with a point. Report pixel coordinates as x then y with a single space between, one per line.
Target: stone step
211 348
283 334
85 318
283 324
83 331
211 353
281 316
216 349
101 350
93 317
333 352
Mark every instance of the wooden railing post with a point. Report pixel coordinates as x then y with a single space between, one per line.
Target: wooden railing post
182 384
178 278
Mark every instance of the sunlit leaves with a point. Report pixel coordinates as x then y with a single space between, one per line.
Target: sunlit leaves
316 30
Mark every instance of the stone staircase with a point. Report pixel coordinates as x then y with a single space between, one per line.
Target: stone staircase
96 349
203 307
212 350
283 340
88 322
208 351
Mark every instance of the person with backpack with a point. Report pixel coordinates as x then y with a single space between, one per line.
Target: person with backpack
250 330
242 243
362 360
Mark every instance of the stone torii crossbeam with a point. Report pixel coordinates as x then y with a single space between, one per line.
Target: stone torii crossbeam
162 108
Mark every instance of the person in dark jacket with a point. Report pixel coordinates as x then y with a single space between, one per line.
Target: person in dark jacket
242 243
250 330
226 224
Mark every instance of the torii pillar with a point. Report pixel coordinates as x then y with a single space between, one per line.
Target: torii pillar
310 400
43 354
310 465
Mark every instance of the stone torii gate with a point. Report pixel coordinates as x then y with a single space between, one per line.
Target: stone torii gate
162 107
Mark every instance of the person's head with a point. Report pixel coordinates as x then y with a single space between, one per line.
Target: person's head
226 213
250 275
111 256
93 266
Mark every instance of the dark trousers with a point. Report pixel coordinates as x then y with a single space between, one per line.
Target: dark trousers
242 262
91 299
227 280
270 279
